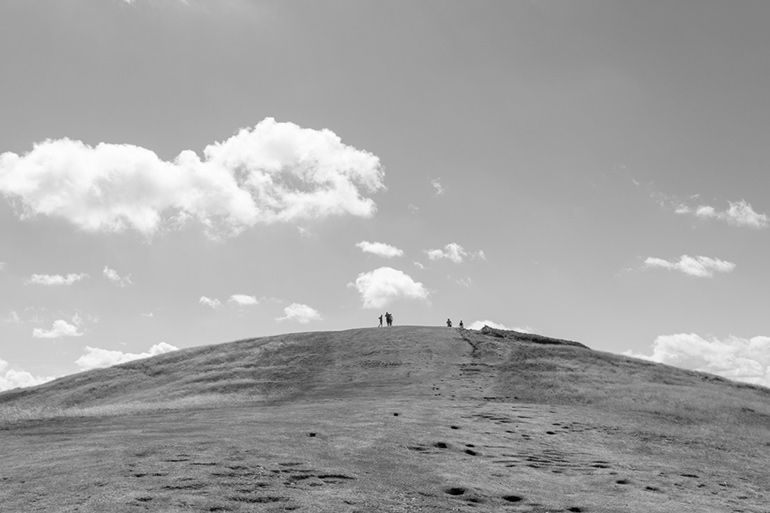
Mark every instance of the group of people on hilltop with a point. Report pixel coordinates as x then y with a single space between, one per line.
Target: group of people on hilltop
449 324
388 319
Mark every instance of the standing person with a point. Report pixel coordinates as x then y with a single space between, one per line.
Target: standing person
380 326
389 318
461 324
449 323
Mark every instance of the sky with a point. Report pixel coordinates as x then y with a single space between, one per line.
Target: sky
182 173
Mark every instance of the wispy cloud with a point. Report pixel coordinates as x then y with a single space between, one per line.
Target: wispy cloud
382 286
455 253
699 266
114 277
437 187
300 313
12 378
243 300
741 359
60 328
380 249
739 213
273 172
12 318
97 358
56 279
213 303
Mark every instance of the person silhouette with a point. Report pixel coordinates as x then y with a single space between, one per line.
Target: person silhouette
449 323
461 324
389 318
380 317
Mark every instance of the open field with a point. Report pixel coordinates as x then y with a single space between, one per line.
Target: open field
395 419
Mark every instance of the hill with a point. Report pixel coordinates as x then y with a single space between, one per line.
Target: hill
387 419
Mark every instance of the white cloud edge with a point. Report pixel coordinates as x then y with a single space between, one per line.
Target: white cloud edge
380 249
300 313
380 287
736 358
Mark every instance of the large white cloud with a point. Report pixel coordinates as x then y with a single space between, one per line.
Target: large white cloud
96 358
11 378
380 287
699 266
741 359
300 313
56 279
740 213
273 172
61 328
380 249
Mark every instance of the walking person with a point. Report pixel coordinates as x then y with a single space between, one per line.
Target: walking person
380 326
449 323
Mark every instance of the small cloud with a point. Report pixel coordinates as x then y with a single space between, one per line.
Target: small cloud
436 183
2 266
12 318
740 359
213 303
56 279
382 286
97 358
419 265
61 328
114 277
699 266
413 208
11 378
243 300
465 282
300 313
739 213
148 315
455 253
380 249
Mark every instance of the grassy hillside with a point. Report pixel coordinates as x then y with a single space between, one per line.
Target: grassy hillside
403 419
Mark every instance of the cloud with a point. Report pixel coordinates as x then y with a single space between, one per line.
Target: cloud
96 358
454 252
10 378
61 328
114 277
382 286
273 172
300 313
741 359
213 303
477 325
12 318
243 300
440 189
699 266
2 266
740 213
56 279
380 249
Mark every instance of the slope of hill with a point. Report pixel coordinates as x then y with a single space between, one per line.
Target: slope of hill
387 419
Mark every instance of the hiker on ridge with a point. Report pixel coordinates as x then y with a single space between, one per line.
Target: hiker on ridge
389 318
449 323
461 324
380 326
